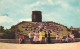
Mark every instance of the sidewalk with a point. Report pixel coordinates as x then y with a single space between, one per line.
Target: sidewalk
40 46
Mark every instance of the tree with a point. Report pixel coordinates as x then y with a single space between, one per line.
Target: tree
6 31
1 28
13 28
71 27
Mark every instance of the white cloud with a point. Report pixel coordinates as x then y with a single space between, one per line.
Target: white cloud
62 3
37 3
78 11
65 5
48 2
51 2
56 17
29 19
59 2
5 19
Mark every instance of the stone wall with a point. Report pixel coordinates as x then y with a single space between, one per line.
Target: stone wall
28 42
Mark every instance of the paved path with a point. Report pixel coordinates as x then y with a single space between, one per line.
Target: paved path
40 46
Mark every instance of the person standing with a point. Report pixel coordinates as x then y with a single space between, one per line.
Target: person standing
40 36
45 36
49 39
30 36
35 39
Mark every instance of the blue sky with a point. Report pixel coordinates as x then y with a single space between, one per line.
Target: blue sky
66 12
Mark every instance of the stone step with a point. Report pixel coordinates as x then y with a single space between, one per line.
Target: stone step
28 42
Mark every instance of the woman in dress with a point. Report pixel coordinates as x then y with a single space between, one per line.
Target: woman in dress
35 39
40 36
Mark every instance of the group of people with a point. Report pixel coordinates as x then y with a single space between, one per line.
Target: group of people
38 37
59 38
68 37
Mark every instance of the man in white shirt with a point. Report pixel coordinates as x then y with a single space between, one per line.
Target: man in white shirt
30 36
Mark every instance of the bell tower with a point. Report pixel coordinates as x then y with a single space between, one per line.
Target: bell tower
36 16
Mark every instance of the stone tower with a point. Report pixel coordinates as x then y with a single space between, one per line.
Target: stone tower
36 16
